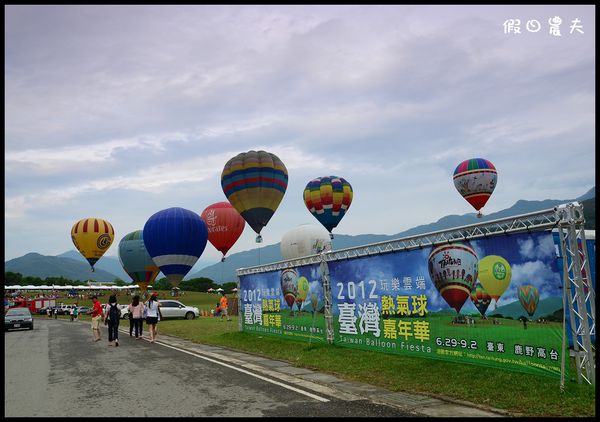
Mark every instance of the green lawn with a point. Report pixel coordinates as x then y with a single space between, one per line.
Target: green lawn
516 392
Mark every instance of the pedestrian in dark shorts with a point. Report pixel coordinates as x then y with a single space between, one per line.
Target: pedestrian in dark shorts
153 315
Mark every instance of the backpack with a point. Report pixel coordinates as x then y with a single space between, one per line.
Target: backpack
114 313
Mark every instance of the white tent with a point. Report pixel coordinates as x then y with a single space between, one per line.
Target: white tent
219 289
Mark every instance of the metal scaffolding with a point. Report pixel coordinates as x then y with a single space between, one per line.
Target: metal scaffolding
568 219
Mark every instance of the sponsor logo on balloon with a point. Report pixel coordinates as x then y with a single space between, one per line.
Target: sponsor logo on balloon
211 219
499 270
104 241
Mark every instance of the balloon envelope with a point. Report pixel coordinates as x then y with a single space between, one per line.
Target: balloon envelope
529 296
225 225
175 238
303 287
136 261
254 182
92 237
494 275
475 179
289 286
481 299
304 240
453 270
328 199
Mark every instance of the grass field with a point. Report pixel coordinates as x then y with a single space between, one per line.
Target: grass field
526 394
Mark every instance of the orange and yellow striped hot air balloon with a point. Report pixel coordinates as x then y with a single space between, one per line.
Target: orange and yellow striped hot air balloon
92 237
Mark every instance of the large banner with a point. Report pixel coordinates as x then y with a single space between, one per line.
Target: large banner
288 303
495 302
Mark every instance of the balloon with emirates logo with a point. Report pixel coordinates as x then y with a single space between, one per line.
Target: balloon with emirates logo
453 268
225 226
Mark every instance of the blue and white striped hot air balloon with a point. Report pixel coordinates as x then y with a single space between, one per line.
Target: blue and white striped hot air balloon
175 238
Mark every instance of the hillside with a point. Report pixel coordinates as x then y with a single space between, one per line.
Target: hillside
515 309
36 265
73 266
226 271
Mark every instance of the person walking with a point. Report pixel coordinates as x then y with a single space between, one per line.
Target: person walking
223 306
71 313
55 312
76 313
153 315
136 312
97 315
113 315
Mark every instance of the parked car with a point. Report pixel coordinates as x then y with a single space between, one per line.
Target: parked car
65 309
176 309
18 318
84 310
123 309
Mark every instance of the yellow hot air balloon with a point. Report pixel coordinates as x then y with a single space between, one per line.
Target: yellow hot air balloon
92 237
494 275
302 291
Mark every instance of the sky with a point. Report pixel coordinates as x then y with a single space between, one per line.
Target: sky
119 112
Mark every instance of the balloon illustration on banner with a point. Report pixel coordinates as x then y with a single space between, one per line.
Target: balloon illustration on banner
289 286
529 297
494 276
136 260
254 182
475 180
92 237
175 238
453 270
225 226
328 199
304 240
481 299
303 287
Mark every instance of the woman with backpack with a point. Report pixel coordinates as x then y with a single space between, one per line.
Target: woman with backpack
136 311
152 315
113 315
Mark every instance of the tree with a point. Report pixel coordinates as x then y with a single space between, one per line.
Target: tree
162 284
201 284
11 278
119 282
229 286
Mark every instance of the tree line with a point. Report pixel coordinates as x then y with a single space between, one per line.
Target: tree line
201 284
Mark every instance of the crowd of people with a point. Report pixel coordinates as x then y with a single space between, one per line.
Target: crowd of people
138 313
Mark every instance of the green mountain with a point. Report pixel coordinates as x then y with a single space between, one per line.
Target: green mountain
73 266
225 271
515 310
36 265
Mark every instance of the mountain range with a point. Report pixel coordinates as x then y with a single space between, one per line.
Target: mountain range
72 265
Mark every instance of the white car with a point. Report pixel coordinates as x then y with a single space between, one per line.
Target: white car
176 309
123 309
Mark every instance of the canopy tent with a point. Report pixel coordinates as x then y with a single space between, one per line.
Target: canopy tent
211 290
234 289
219 289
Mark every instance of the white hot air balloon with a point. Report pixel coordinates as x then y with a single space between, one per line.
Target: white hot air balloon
304 240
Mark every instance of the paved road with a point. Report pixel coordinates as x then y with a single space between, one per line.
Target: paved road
56 370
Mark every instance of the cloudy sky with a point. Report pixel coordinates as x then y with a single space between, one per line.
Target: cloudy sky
121 111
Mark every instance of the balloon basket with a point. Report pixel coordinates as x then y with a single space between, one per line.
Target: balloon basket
259 239
331 235
223 259
479 214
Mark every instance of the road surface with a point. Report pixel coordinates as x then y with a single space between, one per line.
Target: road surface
56 370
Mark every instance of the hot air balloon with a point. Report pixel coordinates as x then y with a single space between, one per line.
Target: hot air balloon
175 238
136 260
453 270
328 199
225 226
254 182
92 237
481 299
289 286
303 287
304 240
529 297
494 275
475 180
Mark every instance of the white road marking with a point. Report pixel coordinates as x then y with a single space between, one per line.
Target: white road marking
297 390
